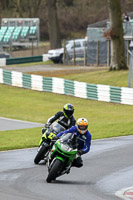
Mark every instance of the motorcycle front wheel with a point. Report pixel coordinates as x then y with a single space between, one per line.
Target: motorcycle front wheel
54 170
41 153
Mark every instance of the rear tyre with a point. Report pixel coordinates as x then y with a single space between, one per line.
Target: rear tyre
54 171
40 155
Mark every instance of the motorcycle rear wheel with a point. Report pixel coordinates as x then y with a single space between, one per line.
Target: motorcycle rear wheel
54 171
40 155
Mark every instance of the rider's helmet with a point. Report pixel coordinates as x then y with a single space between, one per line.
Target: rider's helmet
68 110
82 125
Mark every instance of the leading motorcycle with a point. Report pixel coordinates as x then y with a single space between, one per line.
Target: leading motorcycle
61 156
44 144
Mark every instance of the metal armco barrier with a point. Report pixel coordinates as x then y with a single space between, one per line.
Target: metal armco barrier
98 92
12 61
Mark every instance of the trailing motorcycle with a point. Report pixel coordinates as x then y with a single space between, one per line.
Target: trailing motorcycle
61 156
44 144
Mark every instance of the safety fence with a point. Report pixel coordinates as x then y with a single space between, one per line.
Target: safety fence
93 53
98 92
12 61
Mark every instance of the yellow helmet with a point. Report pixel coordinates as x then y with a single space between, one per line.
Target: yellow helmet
82 125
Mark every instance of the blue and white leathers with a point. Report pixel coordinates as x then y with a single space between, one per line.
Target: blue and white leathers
83 140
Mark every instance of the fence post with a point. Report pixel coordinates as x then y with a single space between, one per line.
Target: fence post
32 48
97 56
73 52
130 72
108 53
127 53
66 57
64 54
85 53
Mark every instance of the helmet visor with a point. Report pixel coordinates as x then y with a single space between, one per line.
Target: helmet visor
82 127
69 112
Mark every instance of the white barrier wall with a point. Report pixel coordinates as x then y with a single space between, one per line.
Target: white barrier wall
98 92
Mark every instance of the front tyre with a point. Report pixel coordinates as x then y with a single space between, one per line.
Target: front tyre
41 153
54 171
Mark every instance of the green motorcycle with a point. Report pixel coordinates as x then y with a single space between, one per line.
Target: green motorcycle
61 156
44 144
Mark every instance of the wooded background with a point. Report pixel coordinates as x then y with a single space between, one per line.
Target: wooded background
73 15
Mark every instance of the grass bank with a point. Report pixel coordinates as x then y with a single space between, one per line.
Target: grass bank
99 75
105 119
105 77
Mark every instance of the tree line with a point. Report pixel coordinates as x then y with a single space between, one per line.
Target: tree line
73 15
66 18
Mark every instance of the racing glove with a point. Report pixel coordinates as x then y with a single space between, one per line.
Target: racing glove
47 125
43 130
80 152
54 139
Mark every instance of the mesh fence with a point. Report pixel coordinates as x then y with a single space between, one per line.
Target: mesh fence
97 52
93 53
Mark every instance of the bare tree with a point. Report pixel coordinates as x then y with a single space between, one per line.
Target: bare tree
54 31
19 8
33 7
116 34
4 4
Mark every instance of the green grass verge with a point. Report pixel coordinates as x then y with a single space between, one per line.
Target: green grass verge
103 76
105 119
19 139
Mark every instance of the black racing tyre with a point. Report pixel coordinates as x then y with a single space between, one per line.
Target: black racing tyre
54 171
56 61
40 155
61 58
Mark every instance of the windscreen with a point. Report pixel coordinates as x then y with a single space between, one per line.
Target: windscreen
57 127
69 139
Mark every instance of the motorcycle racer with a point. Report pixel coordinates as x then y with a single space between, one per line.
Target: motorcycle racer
65 117
83 137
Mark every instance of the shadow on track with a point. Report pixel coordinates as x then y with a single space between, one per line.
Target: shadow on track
72 182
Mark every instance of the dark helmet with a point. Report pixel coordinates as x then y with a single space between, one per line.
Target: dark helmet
68 110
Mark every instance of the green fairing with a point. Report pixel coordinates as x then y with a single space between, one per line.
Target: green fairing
40 141
57 148
45 136
60 158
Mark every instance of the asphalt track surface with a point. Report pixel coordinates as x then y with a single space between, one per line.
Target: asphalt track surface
108 167
13 124
49 68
